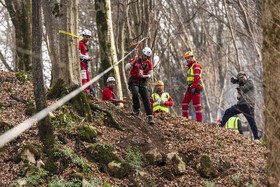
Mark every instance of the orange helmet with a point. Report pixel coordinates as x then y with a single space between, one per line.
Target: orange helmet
159 83
188 54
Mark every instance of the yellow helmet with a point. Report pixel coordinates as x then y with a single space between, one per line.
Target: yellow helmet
188 54
159 83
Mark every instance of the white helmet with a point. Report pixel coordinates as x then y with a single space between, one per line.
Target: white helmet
147 51
86 32
111 79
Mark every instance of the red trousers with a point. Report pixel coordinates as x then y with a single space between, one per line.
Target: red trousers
196 103
85 79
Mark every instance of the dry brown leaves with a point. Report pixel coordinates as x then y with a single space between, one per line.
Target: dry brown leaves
171 133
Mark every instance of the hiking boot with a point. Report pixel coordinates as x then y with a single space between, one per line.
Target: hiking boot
258 141
135 112
150 120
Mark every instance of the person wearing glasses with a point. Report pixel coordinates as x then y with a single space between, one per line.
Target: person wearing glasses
245 104
141 69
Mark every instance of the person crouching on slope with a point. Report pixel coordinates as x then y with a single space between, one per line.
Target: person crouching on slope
160 101
194 87
109 92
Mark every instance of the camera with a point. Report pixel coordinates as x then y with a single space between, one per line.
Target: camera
234 80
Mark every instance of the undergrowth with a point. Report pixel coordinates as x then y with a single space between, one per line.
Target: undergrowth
134 159
81 162
36 179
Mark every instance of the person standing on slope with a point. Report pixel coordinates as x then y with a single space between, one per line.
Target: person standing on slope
194 87
85 59
141 69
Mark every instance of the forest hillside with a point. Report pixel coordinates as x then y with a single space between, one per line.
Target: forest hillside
117 149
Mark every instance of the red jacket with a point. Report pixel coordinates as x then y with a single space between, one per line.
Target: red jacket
147 66
196 70
108 93
167 103
83 50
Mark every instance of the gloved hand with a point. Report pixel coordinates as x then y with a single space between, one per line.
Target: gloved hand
162 103
193 90
159 100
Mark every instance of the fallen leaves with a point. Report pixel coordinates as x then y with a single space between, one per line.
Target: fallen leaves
233 152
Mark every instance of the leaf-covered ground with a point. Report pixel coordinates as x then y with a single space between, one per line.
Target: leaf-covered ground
241 161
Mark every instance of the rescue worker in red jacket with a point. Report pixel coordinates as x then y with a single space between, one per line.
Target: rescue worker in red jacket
194 87
85 58
141 69
160 101
109 92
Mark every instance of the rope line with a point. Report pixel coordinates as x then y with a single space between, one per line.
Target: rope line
20 128
67 33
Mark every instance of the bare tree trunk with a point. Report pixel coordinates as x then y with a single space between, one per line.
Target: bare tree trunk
2 58
20 13
223 76
113 50
106 41
246 19
120 44
185 33
69 66
51 25
46 130
271 61
136 18
233 36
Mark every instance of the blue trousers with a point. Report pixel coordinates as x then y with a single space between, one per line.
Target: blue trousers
247 111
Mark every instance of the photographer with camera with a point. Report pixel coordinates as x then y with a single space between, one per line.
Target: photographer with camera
245 104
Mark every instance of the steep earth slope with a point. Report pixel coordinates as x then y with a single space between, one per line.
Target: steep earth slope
173 150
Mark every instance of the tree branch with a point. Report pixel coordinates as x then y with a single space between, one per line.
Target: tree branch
131 2
5 62
233 36
3 4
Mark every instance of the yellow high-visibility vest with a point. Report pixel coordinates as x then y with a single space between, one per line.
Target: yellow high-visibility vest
190 76
232 124
156 106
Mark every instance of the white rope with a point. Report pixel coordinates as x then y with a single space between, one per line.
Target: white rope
17 130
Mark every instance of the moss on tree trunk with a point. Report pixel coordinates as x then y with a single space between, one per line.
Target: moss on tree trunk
80 102
82 106
58 90
104 44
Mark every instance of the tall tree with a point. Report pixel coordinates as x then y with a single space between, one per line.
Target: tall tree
106 40
271 61
68 68
20 13
120 45
51 10
46 130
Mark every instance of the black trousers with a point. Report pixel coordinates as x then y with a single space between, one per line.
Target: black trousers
247 111
140 87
